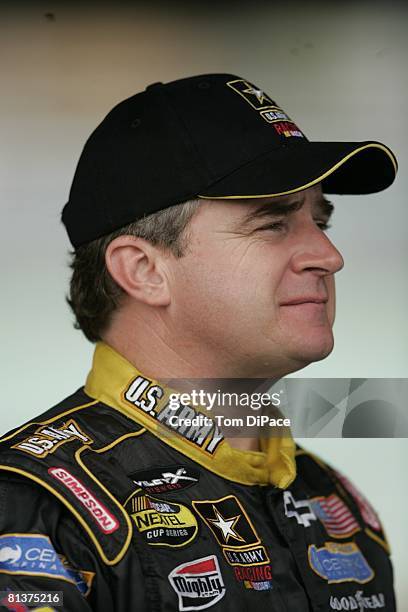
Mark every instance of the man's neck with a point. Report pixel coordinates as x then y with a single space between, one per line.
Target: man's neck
153 365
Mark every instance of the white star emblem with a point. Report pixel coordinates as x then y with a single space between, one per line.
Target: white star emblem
226 525
258 93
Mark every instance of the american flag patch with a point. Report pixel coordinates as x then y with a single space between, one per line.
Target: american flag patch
338 520
367 511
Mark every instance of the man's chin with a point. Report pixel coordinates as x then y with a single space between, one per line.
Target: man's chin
315 351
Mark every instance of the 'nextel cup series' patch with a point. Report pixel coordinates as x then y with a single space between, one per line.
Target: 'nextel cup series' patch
160 522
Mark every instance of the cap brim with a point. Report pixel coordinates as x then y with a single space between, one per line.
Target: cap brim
341 167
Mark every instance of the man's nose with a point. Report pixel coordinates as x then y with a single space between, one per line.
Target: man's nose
316 252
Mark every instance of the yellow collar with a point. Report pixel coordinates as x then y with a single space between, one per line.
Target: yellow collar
117 383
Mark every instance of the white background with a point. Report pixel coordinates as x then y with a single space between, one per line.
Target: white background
338 69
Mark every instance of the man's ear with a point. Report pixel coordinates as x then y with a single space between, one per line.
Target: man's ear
138 267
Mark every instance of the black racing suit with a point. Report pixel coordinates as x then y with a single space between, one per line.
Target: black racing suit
108 500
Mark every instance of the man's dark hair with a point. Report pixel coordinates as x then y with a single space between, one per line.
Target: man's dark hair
93 294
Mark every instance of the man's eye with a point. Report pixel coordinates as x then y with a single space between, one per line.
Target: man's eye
276 226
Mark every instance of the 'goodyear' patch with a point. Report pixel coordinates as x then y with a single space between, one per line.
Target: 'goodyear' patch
34 555
47 439
162 523
337 562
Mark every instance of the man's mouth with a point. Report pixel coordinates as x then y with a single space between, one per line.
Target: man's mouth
305 300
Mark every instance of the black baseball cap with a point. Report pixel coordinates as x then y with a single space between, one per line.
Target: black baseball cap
211 136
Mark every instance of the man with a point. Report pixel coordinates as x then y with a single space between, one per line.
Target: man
198 220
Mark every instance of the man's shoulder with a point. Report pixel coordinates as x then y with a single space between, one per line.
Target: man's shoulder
44 460
333 485
75 402
78 417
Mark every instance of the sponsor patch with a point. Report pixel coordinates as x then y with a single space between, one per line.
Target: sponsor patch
274 115
181 419
162 523
104 519
82 578
257 98
234 532
287 128
337 562
358 601
198 584
367 512
47 439
34 555
165 479
258 577
336 517
266 107
301 510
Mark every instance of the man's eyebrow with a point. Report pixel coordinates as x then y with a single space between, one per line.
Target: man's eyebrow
279 208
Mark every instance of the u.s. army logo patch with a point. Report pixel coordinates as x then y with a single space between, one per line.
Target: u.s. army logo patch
47 438
240 543
257 98
266 107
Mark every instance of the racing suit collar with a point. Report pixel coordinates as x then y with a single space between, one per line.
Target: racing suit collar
116 382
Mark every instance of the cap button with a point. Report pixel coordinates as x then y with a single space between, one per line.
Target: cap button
153 85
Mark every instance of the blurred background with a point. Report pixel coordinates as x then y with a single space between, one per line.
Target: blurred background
338 68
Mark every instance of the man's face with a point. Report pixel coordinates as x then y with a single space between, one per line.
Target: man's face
255 288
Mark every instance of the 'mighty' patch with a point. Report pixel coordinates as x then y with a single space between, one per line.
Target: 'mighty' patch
198 584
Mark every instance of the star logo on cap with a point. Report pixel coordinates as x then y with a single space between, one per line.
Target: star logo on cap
260 95
226 526
256 97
